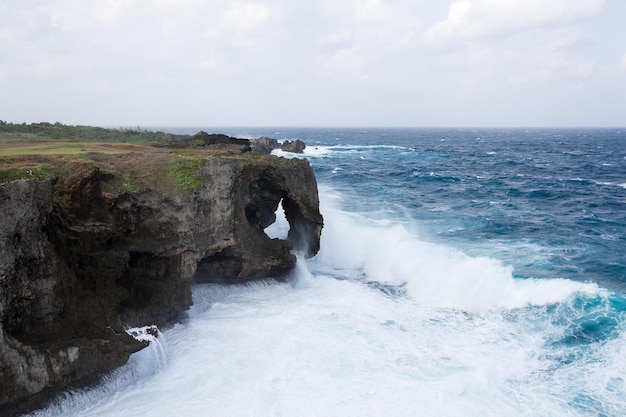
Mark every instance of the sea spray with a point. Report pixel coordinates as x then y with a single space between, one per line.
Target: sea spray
140 367
386 252
317 345
156 346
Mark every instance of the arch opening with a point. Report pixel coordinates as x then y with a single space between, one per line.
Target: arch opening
279 229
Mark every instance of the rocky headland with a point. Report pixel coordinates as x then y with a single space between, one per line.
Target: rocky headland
97 237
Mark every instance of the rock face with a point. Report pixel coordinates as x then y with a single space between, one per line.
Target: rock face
203 139
78 269
266 145
296 146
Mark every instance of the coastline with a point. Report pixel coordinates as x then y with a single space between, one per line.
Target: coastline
101 236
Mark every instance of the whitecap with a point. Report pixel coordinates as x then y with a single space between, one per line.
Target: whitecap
433 274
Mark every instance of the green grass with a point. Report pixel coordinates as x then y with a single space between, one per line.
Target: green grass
132 183
135 158
57 131
183 172
39 173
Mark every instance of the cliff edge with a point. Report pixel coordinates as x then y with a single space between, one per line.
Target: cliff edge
103 237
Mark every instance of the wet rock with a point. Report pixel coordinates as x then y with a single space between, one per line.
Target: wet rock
296 146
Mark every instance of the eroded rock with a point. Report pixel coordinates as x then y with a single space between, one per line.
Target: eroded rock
266 145
78 269
295 146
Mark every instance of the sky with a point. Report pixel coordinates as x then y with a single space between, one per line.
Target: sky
421 63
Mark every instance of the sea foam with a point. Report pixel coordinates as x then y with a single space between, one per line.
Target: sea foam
391 253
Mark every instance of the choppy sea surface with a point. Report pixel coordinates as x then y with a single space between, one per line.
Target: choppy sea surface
463 272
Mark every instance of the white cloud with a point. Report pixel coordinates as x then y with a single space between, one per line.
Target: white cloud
485 18
513 44
373 11
284 62
242 23
365 41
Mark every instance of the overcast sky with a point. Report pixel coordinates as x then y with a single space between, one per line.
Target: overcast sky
314 63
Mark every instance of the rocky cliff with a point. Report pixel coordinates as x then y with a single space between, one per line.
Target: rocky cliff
87 252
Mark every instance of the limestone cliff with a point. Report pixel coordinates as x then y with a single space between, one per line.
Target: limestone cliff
86 254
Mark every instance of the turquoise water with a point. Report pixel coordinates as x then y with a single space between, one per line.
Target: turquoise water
462 273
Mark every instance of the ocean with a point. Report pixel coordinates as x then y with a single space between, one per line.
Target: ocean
462 272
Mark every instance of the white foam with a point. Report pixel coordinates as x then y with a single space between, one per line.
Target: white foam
324 347
316 151
433 274
309 152
144 333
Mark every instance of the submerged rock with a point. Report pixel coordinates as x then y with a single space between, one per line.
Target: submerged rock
80 264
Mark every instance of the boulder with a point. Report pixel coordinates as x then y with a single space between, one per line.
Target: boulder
264 145
296 146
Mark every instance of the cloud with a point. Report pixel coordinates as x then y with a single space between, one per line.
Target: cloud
468 19
242 23
514 44
365 40
284 62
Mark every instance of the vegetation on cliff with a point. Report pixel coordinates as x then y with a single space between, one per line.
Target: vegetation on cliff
57 131
135 158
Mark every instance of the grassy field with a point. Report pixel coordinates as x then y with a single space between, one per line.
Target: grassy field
57 131
36 151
